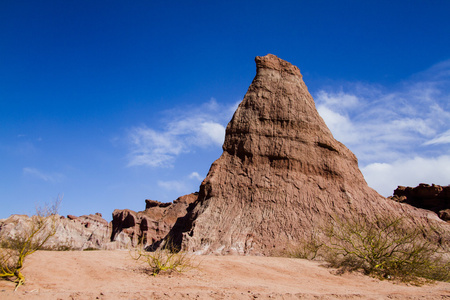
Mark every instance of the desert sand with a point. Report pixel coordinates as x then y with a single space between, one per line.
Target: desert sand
114 275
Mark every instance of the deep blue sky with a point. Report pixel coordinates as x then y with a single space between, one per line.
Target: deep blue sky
112 102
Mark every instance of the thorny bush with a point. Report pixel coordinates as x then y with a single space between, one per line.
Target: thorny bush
15 249
166 258
385 247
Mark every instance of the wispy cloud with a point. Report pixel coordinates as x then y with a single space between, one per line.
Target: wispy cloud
195 175
394 130
184 185
48 177
185 130
153 148
443 138
173 185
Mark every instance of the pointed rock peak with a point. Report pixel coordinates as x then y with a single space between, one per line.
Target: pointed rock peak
281 176
272 62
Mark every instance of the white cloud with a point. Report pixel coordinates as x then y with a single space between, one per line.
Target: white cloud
183 185
340 125
395 121
173 185
54 177
339 99
385 177
212 132
153 148
195 175
397 133
443 138
184 131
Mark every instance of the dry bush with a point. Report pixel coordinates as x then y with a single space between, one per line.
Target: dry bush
15 249
307 248
167 258
385 247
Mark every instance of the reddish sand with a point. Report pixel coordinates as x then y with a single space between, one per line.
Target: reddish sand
114 275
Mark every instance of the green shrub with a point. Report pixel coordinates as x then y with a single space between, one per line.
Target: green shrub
164 259
58 247
385 247
307 248
14 249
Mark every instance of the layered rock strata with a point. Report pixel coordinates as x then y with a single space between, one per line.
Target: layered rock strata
281 175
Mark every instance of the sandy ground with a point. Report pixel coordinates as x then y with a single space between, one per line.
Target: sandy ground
114 275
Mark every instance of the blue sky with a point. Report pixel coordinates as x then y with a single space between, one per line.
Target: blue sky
109 103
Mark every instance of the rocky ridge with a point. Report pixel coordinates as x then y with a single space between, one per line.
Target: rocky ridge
127 228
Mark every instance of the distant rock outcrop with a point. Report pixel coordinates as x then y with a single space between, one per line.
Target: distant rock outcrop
152 224
281 174
432 197
74 233
127 228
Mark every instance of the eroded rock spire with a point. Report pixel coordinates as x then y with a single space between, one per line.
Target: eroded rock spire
281 175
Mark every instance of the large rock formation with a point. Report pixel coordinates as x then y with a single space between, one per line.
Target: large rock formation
281 173
152 224
432 197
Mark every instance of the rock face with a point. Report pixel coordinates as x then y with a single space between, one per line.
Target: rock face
281 173
72 233
152 224
432 197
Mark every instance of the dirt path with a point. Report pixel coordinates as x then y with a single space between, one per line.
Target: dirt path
114 275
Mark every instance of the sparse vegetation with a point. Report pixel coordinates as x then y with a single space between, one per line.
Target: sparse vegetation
15 249
383 247
307 248
164 259
57 247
